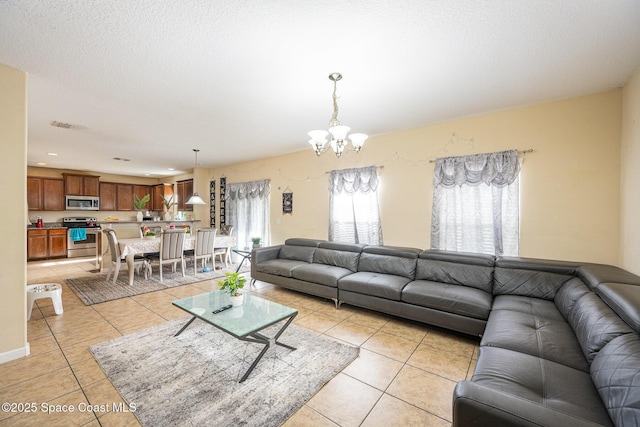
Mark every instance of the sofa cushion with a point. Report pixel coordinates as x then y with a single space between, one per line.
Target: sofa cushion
534 306
616 376
624 299
338 258
322 274
595 274
462 300
569 294
298 253
279 267
457 272
531 283
595 324
532 332
389 260
385 286
544 382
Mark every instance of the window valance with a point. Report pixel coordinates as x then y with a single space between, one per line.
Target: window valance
251 189
498 169
354 180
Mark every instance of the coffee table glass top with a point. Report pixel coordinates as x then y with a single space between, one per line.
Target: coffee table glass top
253 315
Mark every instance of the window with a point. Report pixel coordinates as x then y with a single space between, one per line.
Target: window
476 204
354 216
247 206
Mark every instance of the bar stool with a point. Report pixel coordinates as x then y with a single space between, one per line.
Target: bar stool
44 290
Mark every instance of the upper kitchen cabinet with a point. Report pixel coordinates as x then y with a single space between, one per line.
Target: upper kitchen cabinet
142 190
185 191
81 185
45 194
124 197
161 192
108 198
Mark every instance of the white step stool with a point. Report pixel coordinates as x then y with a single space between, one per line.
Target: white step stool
44 290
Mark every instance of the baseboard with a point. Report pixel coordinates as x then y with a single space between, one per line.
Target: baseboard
8 356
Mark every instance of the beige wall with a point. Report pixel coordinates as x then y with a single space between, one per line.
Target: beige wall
630 177
13 137
570 185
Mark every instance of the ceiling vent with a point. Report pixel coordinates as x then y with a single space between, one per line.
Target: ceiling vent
61 125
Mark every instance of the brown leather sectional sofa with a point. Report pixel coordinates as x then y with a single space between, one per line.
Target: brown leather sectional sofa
560 343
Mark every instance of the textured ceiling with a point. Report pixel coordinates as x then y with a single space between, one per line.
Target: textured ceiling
148 80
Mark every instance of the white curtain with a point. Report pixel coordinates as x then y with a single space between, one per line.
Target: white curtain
354 215
476 204
247 205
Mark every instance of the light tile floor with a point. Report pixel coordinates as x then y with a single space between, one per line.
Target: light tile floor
404 376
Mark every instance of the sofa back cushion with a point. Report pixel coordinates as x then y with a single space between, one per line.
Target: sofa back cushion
569 294
536 278
298 253
595 324
343 255
389 260
456 268
615 374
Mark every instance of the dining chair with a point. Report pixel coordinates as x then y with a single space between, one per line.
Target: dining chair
171 250
139 261
203 247
224 253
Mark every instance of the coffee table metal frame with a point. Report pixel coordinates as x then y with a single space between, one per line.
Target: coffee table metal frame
254 336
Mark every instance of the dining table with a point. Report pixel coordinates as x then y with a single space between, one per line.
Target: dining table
130 247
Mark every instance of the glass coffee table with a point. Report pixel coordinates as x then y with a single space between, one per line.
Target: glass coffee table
243 322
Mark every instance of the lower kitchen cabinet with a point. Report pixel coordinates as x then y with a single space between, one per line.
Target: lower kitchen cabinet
46 243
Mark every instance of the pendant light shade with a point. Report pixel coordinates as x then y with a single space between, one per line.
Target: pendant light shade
195 199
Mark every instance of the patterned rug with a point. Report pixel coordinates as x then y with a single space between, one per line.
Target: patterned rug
192 379
94 289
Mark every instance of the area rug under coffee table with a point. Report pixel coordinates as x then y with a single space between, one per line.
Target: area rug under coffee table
94 288
192 379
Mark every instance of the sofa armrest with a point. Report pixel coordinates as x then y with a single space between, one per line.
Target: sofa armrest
479 406
259 255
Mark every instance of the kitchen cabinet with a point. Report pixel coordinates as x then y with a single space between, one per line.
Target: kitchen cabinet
124 197
185 191
45 194
46 243
161 192
108 199
141 191
81 185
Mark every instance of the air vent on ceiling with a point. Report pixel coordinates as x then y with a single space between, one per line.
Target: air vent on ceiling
121 159
61 124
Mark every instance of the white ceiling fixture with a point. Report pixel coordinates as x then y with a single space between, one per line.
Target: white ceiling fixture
195 199
337 134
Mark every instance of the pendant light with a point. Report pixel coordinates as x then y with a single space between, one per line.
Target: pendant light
195 199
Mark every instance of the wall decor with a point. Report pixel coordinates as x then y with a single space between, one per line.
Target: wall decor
212 203
223 192
287 202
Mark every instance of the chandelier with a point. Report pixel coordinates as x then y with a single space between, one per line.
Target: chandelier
336 137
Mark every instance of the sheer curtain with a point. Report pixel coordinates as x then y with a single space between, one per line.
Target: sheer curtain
476 204
354 215
247 206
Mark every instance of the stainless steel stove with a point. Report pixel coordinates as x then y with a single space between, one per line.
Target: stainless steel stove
81 243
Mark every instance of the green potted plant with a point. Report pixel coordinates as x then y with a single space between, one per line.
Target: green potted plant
231 284
256 241
168 204
139 204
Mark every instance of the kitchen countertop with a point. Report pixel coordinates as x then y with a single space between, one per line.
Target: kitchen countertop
125 222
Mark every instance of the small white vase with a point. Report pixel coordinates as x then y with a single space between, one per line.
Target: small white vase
139 216
167 216
237 300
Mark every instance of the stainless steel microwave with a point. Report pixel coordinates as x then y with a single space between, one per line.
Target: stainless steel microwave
82 203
